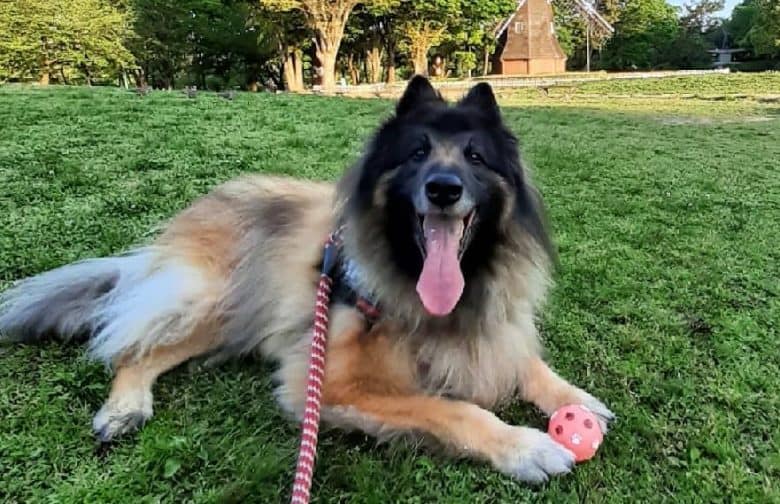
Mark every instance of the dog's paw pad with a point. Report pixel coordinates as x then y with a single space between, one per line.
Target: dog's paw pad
536 456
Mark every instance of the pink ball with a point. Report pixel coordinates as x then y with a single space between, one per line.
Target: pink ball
577 428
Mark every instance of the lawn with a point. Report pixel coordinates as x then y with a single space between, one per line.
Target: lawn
666 212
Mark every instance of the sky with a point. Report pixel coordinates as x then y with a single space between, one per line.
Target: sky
726 12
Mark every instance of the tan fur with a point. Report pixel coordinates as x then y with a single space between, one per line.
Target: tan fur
129 404
203 240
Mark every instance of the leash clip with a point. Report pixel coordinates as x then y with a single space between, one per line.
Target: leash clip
331 253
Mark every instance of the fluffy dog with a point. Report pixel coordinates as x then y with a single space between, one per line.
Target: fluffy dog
442 230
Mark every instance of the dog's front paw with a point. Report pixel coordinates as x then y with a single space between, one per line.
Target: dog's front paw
532 456
598 408
117 418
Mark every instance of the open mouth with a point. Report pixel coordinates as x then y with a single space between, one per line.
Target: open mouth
442 240
465 238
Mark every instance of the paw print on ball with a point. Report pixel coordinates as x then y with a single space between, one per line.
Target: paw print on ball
576 428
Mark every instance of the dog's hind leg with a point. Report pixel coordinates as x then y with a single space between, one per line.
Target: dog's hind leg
129 404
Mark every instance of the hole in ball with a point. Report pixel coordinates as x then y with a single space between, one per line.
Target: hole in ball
569 416
588 423
559 430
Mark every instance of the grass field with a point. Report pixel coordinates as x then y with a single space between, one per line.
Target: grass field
666 213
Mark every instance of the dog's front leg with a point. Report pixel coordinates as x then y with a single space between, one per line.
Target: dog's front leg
543 387
369 385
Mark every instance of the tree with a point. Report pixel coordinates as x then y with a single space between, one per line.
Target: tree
229 43
63 40
462 24
476 31
161 44
743 18
755 25
572 28
700 16
644 35
208 43
764 35
327 19
286 36
362 48
696 34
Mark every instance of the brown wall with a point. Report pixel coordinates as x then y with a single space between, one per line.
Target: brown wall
531 67
512 67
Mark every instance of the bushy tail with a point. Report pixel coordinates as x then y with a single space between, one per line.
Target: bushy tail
118 302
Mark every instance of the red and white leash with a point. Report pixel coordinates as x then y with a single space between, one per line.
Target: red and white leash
310 427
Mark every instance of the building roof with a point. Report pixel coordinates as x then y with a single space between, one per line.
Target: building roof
583 6
530 33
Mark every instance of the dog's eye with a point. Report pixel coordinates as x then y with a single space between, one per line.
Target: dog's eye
474 157
420 154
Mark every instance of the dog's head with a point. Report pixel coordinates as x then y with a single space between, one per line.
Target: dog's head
443 189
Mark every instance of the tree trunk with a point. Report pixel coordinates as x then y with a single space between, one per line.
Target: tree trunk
140 78
293 70
288 71
328 25
374 64
390 64
298 64
421 36
419 54
486 62
45 63
354 74
326 54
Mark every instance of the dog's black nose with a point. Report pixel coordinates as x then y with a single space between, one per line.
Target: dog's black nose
443 189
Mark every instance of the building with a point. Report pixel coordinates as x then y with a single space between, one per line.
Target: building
527 43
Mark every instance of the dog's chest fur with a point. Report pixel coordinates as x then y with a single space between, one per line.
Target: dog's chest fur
484 368
477 353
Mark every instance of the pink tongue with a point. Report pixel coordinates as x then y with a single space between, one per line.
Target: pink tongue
441 282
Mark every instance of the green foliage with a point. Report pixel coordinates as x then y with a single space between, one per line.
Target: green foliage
465 62
710 87
644 35
764 36
666 303
699 16
571 26
230 43
67 40
454 24
755 26
191 40
743 18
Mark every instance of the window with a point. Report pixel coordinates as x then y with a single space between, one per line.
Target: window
519 26
552 28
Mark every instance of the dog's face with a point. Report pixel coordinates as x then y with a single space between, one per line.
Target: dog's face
448 184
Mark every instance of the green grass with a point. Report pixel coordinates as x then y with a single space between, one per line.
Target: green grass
730 84
666 304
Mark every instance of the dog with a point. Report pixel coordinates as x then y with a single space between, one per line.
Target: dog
441 232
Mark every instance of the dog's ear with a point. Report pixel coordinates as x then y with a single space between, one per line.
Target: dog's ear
481 97
418 92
